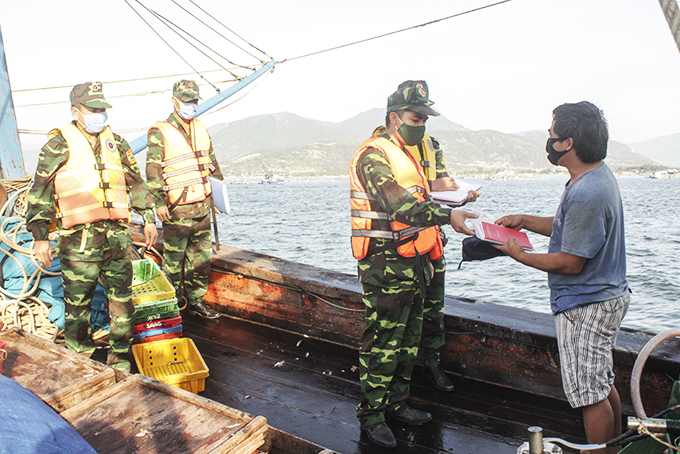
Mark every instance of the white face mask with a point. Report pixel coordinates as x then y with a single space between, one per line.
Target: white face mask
186 110
94 122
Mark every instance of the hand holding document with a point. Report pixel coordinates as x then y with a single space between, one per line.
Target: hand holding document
488 231
455 198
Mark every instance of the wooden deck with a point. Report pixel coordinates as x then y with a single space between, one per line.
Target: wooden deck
309 388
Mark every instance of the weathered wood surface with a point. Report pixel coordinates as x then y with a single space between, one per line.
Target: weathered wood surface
142 415
58 376
501 345
309 388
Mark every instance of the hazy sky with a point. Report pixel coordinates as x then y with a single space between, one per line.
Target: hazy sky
503 68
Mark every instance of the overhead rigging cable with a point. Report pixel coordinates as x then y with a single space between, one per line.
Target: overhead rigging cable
118 81
243 39
143 93
173 49
167 21
397 31
250 89
228 40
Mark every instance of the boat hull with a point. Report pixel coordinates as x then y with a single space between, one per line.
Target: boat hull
505 346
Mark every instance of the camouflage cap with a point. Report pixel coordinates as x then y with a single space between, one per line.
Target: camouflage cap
411 95
89 94
185 90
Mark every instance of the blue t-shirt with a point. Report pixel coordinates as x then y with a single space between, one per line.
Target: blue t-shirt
589 223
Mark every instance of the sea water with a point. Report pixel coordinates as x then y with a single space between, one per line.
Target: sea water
307 221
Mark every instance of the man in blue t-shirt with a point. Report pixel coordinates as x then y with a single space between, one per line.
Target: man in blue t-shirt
586 266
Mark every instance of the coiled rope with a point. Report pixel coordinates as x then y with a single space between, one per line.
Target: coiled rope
23 309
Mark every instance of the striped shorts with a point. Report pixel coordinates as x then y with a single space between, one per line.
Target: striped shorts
586 337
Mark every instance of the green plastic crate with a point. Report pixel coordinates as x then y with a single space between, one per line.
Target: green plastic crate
155 307
149 283
149 316
143 270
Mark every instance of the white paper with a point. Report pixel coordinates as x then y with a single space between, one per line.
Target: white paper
457 197
220 196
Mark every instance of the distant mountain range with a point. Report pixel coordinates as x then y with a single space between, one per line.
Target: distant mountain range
664 149
289 145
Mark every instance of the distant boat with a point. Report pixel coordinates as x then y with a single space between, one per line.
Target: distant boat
271 178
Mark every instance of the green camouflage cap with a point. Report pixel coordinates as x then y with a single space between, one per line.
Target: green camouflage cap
89 94
411 95
185 90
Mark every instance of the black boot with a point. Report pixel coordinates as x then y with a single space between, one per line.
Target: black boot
203 310
438 378
410 416
380 434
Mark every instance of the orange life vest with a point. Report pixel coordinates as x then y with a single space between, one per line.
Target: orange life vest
85 191
407 175
186 166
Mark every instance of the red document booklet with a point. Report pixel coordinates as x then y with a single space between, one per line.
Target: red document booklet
493 233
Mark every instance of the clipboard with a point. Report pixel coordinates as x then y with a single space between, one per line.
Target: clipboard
220 196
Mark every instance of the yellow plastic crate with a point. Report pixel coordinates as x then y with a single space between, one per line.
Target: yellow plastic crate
176 362
157 288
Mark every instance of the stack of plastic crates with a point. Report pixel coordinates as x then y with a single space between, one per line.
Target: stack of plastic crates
156 311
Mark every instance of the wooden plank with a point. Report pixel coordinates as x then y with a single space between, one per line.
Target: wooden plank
314 396
280 442
144 415
58 376
505 346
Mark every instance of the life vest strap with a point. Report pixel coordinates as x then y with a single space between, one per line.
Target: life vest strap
93 206
89 188
202 180
105 166
418 189
180 158
370 215
387 235
362 196
193 168
112 186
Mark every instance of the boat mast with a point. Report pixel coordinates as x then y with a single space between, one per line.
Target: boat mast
11 158
670 10
139 143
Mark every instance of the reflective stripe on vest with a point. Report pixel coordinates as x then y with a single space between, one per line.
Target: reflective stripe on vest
85 191
186 165
425 155
407 175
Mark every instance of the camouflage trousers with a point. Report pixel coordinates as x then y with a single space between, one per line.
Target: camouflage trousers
80 280
389 346
188 254
433 338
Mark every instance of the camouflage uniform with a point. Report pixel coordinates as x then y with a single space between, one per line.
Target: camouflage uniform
433 333
394 304
187 236
433 337
90 251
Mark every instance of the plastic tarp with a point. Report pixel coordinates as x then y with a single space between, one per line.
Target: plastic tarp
30 426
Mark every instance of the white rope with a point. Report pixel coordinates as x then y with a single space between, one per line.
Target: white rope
23 310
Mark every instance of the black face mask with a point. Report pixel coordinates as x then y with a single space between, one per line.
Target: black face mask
554 155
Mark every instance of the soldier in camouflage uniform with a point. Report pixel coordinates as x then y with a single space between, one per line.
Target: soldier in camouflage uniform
433 335
94 242
392 282
186 217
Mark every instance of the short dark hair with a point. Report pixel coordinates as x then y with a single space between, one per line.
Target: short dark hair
586 125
